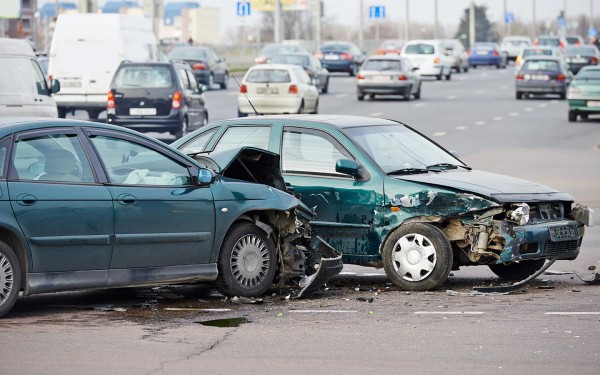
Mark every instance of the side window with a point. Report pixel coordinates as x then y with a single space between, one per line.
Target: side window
237 136
197 144
129 163
3 154
193 82
310 152
185 81
40 80
57 157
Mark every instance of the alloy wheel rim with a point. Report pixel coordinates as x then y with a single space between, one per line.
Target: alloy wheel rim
250 261
414 257
6 279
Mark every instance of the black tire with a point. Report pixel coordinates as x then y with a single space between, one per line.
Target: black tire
417 94
449 75
439 77
183 129
62 112
353 70
572 116
519 95
225 82
10 278
408 95
247 261
93 113
474 66
205 119
466 69
301 109
360 97
498 66
316 110
325 88
563 95
430 256
517 271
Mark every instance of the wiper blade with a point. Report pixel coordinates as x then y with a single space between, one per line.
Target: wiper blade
191 155
408 171
447 166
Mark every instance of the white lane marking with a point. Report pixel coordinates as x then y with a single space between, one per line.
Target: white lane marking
451 97
479 91
514 114
497 118
529 109
324 311
232 93
483 74
461 128
450 312
553 101
504 87
439 134
362 274
479 122
418 105
462 78
542 105
343 95
572 313
375 114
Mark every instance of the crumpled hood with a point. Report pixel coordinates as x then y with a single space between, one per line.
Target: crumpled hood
500 188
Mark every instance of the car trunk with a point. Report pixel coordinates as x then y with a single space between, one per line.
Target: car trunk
143 102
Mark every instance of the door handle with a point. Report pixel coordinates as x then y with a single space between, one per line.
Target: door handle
126 199
26 199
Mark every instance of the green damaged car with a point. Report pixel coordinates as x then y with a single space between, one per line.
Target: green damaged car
583 94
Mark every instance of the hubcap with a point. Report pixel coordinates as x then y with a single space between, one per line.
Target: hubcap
250 261
414 257
6 279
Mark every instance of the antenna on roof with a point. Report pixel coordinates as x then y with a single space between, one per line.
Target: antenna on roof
251 105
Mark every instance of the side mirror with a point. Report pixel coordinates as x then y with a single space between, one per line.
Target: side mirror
54 86
205 177
347 166
415 68
202 88
221 59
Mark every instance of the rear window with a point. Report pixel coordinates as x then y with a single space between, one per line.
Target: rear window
382 65
541 65
549 42
336 47
290 59
188 54
268 75
589 74
572 39
144 76
420 49
516 43
585 51
536 52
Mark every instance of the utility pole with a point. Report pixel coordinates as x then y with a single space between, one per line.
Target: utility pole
407 19
504 17
534 20
318 25
472 39
591 13
361 17
277 26
436 23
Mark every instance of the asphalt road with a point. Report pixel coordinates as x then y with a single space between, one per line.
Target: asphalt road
361 324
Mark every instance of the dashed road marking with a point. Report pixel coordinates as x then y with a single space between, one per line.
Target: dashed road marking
324 311
418 105
461 128
449 312
342 95
451 97
572 313
479 122
529 109
542 105
503 87
483 74
514 114
439 134
375 114
479 91
233 93
497 118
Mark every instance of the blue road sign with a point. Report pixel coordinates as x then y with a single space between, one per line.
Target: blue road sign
377 11
592 31
243 8
562 22
509 17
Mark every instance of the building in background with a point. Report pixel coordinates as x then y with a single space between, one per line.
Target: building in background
17 19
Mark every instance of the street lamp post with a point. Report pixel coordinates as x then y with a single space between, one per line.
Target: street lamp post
472 39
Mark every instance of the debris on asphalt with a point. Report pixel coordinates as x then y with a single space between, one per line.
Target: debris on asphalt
102 308
575 290
364 299
169 295
520 284
557 273
246 300
591 268
594 280
475 293
545 287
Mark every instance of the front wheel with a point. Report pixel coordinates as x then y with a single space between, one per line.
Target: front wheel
247 261
417 256
572 116
10 278
517 271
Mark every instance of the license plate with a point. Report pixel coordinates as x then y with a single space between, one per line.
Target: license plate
539 77
579 60
71 84
593 103
332 57
381 78
266 90
142 111
483 53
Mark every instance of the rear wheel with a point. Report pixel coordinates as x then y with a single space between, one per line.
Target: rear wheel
360 97
449 75
93 113
572 116
247 261
62 112
225 81
301 109
439 77
517 271
407 95
418 93
10 278
325 88
466 69
563 95
183 129
519 95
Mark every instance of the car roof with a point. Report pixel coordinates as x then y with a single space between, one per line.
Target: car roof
274 66
338 121
543 57
15 47
386 57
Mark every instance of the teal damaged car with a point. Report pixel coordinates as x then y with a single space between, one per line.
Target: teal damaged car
387 196
584 93
86 206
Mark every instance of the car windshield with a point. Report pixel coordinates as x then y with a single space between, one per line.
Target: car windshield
541 65
396 147
335 47
188 53
382 65
420 49
143 76
555 42
588 74
290 59
585 51
268 75
516 43
536 52
572 39
273 49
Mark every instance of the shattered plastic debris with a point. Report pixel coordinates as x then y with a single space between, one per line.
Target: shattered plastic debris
246 300
545 287
169 295
557 273
475 293
591 268
102 308
364 299
594 280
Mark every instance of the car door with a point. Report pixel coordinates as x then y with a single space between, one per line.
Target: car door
65 214
192 97
161 217
44 103
346 207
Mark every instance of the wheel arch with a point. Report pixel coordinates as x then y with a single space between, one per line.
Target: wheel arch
435 220
19 246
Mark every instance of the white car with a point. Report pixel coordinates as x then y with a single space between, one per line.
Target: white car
513 45
536 51
277 89
430 57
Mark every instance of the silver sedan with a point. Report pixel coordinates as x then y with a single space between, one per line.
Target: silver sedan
388 75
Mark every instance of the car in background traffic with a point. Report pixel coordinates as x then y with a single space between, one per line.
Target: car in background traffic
574 40
312 66
156 97
277 89
430 57
584 93
385 195
209 68
541 75
550 41
579 56
390 47
536 51
341 56
272 49
388 75
513 45
487 53
92 206
458 53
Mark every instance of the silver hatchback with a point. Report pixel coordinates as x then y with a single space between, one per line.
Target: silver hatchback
388 75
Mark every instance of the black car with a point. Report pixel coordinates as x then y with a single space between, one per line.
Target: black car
209 68
339 56
580 56
542 75
319 76
158 97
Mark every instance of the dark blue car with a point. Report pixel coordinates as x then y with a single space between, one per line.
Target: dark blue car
487 53
341 57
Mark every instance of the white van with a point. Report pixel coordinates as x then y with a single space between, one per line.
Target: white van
430 56
23 87
86 50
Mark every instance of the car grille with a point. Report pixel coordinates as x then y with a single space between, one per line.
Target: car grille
557 248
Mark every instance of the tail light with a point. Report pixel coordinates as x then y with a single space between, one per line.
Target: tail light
560 77
293 89
562 44
536 42
519 77
319 55
360 76
110 103
346 56
379 52
176 103
199 66
496 53
403 78
593 60
260 60
469 53
243 89
436 60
